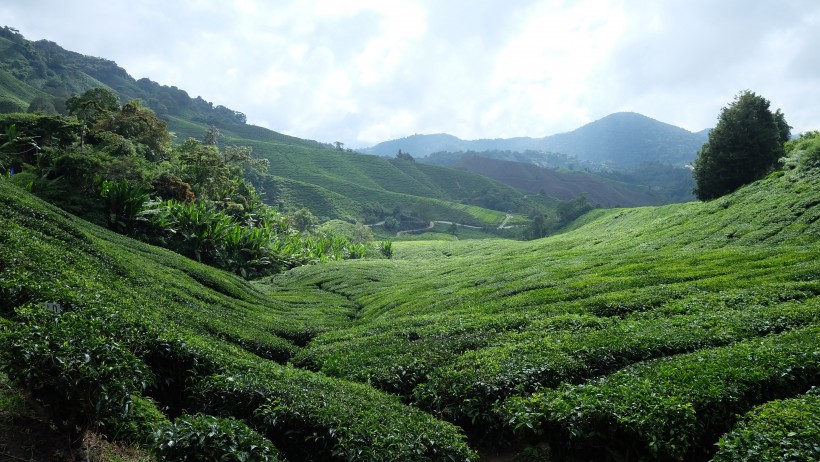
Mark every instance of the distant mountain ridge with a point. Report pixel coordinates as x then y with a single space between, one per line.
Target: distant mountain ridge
564 185
624 139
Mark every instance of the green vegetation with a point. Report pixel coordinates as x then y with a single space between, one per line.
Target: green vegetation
330 182
213 343
211 211
744 146
779 430
804 152
565 343
204 437
681 332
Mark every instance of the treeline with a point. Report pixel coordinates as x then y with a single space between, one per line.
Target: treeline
115 165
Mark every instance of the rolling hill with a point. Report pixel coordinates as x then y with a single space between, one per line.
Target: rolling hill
685 332
333 184
623 139
562 185
668 324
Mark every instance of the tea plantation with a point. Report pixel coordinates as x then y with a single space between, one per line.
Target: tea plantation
683 332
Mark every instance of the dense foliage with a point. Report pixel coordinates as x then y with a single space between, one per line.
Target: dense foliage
203 437
213 343
804 152
776 431
744 146
72 366
109 162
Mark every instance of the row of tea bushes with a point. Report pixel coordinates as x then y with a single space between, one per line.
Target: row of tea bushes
779 430
672 407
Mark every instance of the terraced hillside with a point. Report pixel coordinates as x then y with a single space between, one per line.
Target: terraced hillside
340 184
304 173
641 334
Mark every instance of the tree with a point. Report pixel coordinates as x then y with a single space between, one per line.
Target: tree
204 169
211 137
538 228
405 156
572 209
743 147
92 105
303 220
141 126
43 104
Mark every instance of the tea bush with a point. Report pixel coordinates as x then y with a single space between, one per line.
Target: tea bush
667 408
782 430
208 438
78 367
137 425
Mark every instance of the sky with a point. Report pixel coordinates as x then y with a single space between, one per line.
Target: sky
365 71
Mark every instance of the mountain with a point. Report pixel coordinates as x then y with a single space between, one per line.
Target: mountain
628 138
304 173
562 185
624 139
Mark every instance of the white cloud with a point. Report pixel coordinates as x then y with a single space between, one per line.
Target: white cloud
364 71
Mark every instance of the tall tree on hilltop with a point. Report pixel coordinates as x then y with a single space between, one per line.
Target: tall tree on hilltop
743 147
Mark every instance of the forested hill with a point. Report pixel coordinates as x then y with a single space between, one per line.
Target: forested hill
625 139
332 183
41 75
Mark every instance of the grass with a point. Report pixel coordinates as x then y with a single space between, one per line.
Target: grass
637 333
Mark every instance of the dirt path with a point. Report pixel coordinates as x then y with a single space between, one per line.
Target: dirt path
432 225
408 231
503 224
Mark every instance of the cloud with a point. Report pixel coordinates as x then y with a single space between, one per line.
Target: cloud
681 61
364 71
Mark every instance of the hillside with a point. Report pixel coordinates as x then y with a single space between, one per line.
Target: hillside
562 185
342 184
624 139
304 173
661 323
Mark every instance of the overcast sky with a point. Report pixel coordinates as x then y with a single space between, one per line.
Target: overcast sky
361 72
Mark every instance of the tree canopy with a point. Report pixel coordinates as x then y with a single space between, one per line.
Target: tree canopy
743 147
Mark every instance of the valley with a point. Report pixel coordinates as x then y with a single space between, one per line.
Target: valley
496 337
176 284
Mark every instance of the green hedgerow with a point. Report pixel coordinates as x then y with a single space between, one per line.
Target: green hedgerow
206 438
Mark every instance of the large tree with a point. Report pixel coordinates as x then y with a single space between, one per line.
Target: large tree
92 105
743 147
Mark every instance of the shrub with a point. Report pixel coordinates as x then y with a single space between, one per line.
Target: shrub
386 248
203 437
71 366
672 407
137 425
123 203
170 186
779 430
